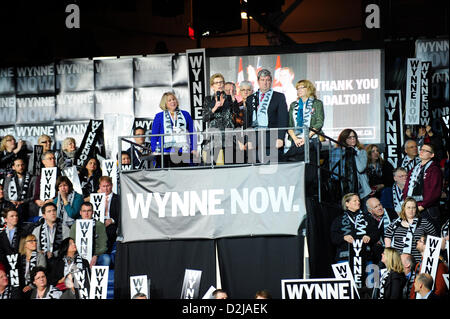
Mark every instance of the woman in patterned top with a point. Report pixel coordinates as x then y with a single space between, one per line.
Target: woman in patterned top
403 233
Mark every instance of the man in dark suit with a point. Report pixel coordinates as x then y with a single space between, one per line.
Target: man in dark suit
10 236
112 213
268 109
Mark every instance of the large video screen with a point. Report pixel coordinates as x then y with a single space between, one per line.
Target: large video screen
349 83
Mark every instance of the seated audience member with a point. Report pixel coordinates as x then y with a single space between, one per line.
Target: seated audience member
99 251
353 165
411 158
423 286
395 199
307 110
10 236
263 294
352 224
69 261
49 161
172 121
393 280
67 154
10 150
408 268
43 290
136 152
7 291
50 231
4 204
89 175
29 258
440 287
19 188
67 201
382 218
379 172
112 214
46 142
424 184
405 231
220 294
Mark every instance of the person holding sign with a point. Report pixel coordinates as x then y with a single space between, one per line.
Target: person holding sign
354 234
440 287
69 261
112 212
99 240
49 160
89 175
172 121
405 231
393 280
19 188
50 231
379 172
306 110
67 201
9 238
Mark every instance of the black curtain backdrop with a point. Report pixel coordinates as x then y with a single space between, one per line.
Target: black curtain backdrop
251 264
321 251
164 262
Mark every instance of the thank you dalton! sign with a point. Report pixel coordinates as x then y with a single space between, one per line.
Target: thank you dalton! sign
240 201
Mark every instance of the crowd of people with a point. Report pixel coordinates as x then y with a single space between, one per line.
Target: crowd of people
391 209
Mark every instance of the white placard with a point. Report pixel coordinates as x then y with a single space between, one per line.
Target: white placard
72 173
48 183
412 101
343 271
109 168
83 237
431 256
138 284
208 294
99 282
98 201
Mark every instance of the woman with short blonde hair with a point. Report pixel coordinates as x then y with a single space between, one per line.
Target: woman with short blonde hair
394 279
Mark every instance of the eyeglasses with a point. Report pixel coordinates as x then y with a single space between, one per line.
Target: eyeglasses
45 142
10 140
422 149
218 82
301 87
402 176
351 137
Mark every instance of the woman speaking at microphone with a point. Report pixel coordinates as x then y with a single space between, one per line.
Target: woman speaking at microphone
218 115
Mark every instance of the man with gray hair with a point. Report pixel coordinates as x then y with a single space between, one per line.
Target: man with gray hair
268 109
411 158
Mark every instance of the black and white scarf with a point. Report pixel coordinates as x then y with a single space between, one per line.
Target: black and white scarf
45 240
31 265
61 211
13 190
408 163
179 127
415 187
408 239
383 283
444 229
50 293
359 223
397 198
72 265
6 294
